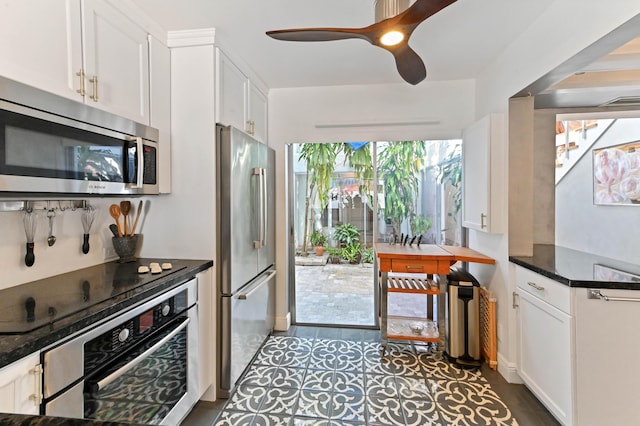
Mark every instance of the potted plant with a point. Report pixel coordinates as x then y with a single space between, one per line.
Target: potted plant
334 254
318 240
351 253
346 234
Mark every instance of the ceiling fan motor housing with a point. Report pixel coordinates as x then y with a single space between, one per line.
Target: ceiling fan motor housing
387 8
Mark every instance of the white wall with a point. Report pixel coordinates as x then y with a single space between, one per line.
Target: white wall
64 256
563 30
609 231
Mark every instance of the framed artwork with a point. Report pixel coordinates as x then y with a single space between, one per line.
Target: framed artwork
616 174
608 274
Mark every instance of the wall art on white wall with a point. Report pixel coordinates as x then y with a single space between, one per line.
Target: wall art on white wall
616 174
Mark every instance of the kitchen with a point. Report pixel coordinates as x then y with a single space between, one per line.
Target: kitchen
533 53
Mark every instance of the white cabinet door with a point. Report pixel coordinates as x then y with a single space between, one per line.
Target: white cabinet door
477 140
231 93
545 361
40 44
257 113
20 389
116 57
160 106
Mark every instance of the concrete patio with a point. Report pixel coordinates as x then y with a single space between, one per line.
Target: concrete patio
343 294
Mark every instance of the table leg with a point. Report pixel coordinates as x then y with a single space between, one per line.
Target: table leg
442 330
383 311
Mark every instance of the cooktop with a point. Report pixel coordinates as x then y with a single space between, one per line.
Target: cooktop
29 306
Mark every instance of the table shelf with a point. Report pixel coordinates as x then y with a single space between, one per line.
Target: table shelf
400 328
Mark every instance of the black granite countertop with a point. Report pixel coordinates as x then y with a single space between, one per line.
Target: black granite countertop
109 287
579 269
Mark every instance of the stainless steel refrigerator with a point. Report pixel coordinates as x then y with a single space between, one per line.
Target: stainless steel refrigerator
245 251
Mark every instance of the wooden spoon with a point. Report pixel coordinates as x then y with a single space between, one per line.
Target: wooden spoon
125 208
114 211
135 223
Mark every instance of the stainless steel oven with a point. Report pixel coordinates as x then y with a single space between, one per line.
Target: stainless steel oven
140 367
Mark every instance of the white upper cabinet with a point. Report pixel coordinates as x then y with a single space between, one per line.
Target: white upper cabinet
84 50
240 103
479 210
116 62
41 45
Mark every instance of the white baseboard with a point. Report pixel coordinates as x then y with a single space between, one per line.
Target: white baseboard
283 323
508 370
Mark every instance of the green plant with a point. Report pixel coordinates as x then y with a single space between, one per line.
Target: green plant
451 174
420 224
320 159
399 167
318 239
347 234
367 255
351 253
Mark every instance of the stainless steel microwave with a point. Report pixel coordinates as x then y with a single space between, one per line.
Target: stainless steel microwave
50 144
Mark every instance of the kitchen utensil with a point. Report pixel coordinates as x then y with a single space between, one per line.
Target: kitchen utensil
135 223
30 225
412 240
87 216
114 211
125 208
51 240
114 229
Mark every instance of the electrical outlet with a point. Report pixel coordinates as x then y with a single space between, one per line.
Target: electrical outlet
109 253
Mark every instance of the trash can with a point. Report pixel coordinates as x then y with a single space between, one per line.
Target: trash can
462 345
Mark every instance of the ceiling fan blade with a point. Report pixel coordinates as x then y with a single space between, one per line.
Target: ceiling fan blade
316 34
409 64
421 10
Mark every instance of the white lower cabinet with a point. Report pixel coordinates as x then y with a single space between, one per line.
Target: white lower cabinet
21 386
545 361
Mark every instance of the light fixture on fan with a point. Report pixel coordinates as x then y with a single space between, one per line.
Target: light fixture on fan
395 22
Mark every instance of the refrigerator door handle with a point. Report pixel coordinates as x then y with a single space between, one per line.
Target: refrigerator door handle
263 207
245 295
258 171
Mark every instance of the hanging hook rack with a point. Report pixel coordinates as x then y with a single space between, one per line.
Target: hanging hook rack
33 205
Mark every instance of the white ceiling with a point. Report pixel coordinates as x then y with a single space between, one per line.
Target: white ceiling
456 43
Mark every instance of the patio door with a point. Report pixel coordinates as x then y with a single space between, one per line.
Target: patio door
347 196
332 216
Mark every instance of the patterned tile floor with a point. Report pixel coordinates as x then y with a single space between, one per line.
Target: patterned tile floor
328 380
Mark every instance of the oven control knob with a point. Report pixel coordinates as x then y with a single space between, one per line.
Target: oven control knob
123 335
166 310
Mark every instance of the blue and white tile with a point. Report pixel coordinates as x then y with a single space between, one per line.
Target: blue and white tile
319 380
271 419
348 407
279 401
295 358
412 388
234 418
259 375
384 410
381 385
421 412
322 360
247 398
348 382
314 404
287 377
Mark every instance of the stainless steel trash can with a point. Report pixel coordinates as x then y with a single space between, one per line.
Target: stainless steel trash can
462 345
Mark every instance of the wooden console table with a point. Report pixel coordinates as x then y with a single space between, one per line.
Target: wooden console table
426 259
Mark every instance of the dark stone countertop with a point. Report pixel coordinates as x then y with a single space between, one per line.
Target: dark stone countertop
579 269
110 287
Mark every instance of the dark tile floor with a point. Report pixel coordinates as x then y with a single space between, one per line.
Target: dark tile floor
333 376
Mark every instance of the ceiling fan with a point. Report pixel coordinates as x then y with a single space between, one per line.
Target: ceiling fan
395 21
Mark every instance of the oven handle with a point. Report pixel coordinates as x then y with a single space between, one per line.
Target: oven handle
122 370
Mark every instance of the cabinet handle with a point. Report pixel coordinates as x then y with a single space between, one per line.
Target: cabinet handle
249 129
36 397
94 80
514 304
82 89
482 218
536 286
597 294
418 267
